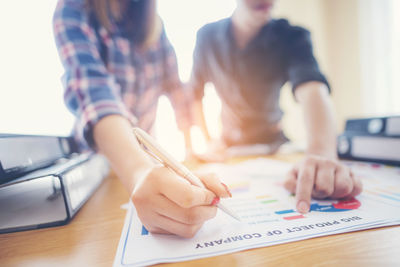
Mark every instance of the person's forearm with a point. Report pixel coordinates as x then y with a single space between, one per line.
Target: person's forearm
114 138
320 174
319 118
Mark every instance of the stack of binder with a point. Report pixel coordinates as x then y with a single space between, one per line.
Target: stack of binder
21 154
371 139
44 180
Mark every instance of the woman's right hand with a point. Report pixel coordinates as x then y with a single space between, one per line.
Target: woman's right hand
168 204
164 201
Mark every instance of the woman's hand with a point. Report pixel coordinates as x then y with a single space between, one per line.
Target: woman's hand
168 204
320 178
164 201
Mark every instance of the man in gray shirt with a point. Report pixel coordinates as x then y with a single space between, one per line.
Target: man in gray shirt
249 79
248 58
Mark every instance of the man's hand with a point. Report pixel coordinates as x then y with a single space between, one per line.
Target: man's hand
321 178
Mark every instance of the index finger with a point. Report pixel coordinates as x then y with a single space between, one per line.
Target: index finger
305 184
215 185
184 194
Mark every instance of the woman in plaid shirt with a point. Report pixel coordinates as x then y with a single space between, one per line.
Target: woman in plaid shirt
117 62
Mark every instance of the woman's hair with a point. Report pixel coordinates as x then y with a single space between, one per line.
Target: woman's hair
139 17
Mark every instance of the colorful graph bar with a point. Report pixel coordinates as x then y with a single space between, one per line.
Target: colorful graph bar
263 196
389 197
144 231
294 217
378 193
284 212
269 201
240 187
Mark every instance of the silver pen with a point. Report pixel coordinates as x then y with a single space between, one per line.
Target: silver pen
157 152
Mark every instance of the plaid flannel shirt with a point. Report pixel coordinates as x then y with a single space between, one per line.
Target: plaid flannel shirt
106 74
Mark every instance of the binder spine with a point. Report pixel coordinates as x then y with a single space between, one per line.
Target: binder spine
21 154
80 182
51 196
380 149
380 126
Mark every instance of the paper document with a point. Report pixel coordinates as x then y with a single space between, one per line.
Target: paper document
268 215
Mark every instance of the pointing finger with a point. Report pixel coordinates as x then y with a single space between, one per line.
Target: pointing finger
305 184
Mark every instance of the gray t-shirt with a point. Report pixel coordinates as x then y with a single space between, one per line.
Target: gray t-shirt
249 81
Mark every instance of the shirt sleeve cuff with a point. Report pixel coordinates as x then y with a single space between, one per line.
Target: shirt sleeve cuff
309 77
93 113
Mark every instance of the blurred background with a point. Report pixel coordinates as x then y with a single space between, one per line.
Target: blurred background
355 41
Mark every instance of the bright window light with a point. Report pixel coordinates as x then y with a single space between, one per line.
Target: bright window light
182 20
31 95
166 130
198 140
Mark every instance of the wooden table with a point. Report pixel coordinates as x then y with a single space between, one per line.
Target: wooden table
91 239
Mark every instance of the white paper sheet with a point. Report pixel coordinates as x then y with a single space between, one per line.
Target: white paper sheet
268 215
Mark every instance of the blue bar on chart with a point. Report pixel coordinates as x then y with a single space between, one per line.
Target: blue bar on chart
144 231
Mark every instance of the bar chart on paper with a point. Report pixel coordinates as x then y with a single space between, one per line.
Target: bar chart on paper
265 200
261 200
268 215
